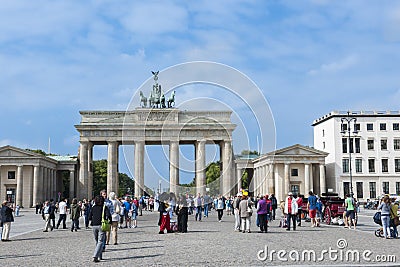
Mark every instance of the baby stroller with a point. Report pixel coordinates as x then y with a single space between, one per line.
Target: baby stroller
379 232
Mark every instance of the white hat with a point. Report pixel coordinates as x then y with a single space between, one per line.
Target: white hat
290 194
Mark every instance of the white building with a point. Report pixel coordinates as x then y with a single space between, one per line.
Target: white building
375 152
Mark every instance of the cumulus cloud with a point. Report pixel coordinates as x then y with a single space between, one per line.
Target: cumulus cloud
335 66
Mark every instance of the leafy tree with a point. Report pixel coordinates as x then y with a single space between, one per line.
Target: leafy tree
213 173
245 180
126 185
99 175
249 152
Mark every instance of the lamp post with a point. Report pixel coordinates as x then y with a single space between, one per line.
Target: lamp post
347 121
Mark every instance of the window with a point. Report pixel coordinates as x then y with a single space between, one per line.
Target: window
344 127
358 165
383 144
323 133
382 126
396 144
397 188
370 143
357 127
11 175
385 165
346 188
323 145
344 145
357 144
395 126
359 187
371 165
370 127
351 145
397 165
385 187
345 165
295 189
372 189
295 172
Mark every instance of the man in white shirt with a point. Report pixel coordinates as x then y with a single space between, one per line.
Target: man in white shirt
62 210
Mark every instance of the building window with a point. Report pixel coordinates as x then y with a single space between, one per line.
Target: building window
344 145
344 127
357 144
295 172
323 133
382 126
397 165
358 165
395 126
351 146
383 144
370 127
370 143
372 190
11 175
295 189
346 188
398 188
360 193
385 187
345 165
357 127
396 144
371 165
323 145
385 167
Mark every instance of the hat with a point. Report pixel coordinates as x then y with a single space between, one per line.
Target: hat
290 194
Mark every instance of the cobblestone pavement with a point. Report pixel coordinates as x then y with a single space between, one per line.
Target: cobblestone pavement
208 243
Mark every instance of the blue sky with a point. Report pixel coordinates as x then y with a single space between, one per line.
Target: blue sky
307 57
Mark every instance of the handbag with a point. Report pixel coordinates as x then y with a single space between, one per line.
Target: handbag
105 224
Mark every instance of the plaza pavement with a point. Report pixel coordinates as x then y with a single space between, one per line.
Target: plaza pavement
208 243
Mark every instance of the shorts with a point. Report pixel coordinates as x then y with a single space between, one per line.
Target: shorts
312 213
350 214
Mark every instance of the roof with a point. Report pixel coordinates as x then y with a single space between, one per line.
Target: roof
64 158
362 113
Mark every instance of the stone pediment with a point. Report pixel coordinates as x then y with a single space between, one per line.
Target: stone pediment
10 151
299 150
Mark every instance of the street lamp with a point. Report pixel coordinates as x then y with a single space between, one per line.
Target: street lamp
347 121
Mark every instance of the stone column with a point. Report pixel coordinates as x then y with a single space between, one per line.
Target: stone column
201 167
90 171
287 181
45 184
174 166
51 176
271 185
312 178
239 173
112 166
139 168
48 183
322 181
278 188
83 171
41 191
20 185
227 168
72 193
35 191
306 179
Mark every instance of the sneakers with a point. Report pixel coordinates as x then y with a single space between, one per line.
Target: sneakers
96 260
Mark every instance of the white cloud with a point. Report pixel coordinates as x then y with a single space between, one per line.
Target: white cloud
340 65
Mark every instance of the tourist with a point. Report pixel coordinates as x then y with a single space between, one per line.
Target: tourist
385 208
46 216
207 202
393 215
319 211
98 211
121 213
110 207
86 207
312 208
128 215
236 202
220 208
62 210
52 211
198 202
164 221
245 211
75 211
350 213
299 201
6 215
182 212
115 217
291 210
262 211
17 207
274 206
151 203
133 215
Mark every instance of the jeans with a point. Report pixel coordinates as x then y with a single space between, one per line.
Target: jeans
198 213
6 231
206 210
99 237
47 222
386 225
293 218
74 224
246 221
262 218
220 213
86 220
273 213
62 218
237 220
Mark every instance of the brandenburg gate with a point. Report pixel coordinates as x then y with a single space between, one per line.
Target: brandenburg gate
155 125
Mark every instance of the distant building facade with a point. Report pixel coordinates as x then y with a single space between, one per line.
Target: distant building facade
27 178
375 152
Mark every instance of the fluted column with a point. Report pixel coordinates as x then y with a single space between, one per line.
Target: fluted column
83 171
89 185
112 167
48 183
286 176
322 181
41 191
20 185
239 174
201 167
139 168
174 166
271 185
306 179
278 184
52 182
35 191
72 193
227 168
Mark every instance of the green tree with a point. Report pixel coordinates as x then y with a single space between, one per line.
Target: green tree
245 180
249 152
213 173
126 185
99 175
